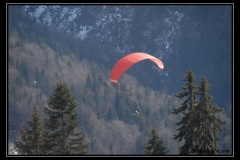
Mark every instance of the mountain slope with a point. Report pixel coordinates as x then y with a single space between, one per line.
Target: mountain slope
182 36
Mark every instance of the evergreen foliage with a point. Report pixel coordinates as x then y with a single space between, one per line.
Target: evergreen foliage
154 146
186 130
61 122
206 123
32 139
200 124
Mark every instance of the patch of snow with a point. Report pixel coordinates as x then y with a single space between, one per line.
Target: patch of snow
48 19
25 8
11 149
63 13
72 17
82 34
39 10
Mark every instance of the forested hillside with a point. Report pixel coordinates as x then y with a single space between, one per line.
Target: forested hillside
100 117
182 36
39 58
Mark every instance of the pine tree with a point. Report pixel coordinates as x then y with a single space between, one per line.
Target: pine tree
154 146
61 123
31 142
186 129
206 123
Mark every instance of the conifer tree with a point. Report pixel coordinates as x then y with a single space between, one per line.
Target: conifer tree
31 142
205 120
61 123
185 131
154 146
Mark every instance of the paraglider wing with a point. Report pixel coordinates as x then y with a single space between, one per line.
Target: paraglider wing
129 60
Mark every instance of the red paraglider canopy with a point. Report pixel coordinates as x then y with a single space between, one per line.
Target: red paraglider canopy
129 60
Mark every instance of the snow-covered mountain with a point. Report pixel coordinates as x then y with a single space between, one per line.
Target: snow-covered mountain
182 36
119 26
